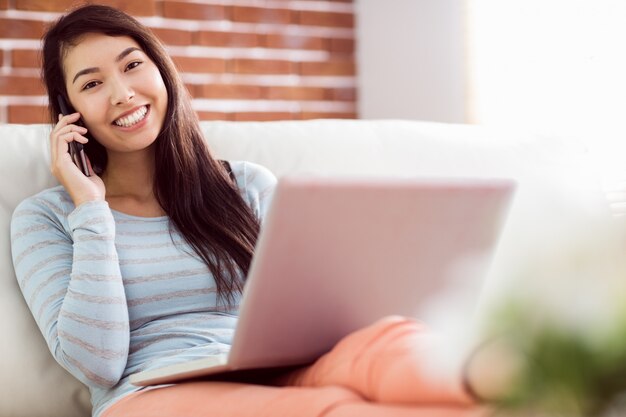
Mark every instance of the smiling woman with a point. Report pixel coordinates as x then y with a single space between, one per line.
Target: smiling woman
137 118
142 264
122 98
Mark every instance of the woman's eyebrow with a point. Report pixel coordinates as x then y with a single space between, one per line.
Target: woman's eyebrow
121 56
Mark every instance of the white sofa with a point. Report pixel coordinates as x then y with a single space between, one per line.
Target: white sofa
33 385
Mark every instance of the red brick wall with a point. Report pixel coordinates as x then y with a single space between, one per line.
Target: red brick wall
240 59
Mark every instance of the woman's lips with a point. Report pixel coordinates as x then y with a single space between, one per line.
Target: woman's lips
138 124
133 118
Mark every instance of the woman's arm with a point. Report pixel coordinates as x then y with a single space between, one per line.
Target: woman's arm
72 283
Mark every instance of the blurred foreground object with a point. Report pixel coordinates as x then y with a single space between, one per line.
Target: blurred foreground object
557 344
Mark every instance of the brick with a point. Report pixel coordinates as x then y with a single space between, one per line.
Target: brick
342 94
191 89
257 66
4 4
25 58
312 115
295 93
229 91
207 115
200 65
21 29
262 15
345 20
296 42
264 116
173 36
228 39
43 5
195 11
342 46
346 68
135 8
12 85
28 114
1 57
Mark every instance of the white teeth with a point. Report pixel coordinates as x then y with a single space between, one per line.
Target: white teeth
133 118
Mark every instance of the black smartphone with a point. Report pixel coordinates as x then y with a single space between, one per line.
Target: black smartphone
77 151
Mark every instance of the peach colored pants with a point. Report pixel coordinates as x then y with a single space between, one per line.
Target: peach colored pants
376 371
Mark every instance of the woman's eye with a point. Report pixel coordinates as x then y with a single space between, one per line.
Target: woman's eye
133 65
90 84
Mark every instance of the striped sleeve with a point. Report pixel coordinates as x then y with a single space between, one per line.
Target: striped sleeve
258 185
68 271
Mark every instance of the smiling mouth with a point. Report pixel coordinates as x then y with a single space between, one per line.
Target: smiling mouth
132 119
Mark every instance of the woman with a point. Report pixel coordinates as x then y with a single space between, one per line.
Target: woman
141 264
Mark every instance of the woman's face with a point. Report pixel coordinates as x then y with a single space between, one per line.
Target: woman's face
118 91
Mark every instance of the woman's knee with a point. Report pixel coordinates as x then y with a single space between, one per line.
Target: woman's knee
383 331
395 321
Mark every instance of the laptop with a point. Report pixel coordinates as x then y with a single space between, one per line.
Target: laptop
335 255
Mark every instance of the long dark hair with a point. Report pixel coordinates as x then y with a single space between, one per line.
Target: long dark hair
191 186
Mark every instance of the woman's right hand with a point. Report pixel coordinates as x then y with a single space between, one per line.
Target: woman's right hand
80 187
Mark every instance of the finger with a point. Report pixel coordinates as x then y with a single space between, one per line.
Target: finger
62 132
72 136
64 125
62 146
63 122
71 128
68 119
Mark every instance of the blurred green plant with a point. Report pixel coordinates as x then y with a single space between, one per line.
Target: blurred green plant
573 372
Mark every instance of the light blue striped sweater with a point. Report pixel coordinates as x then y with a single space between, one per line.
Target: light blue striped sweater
114 294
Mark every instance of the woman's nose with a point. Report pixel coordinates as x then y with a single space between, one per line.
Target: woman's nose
121 92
